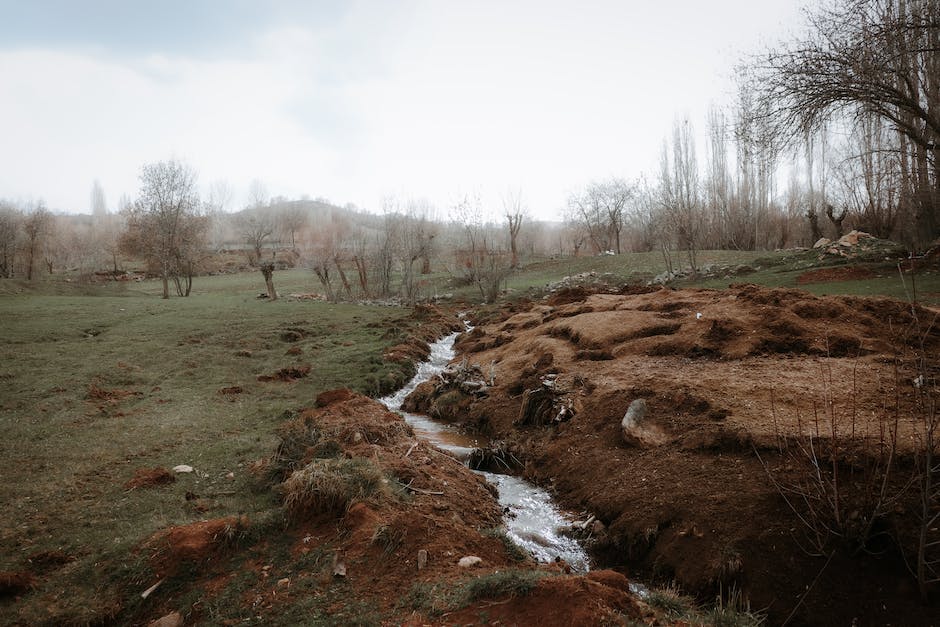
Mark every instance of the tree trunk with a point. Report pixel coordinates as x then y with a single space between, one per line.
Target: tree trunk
342 277
363 275
267 270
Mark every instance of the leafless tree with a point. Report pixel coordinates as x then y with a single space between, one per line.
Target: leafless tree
292 218
36 226
220 198
257 227
10 220
869 57
679 190
165 225
515 211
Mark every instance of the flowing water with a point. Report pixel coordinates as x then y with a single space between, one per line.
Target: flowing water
532 520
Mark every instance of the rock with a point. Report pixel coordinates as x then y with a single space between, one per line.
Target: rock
339 565
182 468
822 242
636 429
852 237
173 619
469 561
422 559
283 583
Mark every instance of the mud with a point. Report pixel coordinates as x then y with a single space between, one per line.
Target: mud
291 373
149 477
724 374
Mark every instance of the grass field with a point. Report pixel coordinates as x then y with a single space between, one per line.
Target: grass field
93 388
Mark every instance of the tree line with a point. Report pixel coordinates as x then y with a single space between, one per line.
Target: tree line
836 129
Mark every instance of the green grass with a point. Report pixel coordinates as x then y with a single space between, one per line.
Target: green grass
771 269
157 367
438 597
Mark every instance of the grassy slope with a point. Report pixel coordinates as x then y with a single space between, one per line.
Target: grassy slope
640 267
64 457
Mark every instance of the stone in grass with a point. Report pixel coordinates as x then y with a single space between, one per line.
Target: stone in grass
469 561
173 619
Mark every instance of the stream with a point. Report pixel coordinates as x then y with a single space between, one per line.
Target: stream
531 520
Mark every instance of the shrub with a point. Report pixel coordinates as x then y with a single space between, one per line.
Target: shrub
331 485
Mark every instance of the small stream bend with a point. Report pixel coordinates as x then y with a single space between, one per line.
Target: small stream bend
531 518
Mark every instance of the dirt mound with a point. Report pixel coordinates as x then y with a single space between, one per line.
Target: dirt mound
194 544
149 477
13 583
602 597
841 273
433 323
721 372
290 373
334 396
104 396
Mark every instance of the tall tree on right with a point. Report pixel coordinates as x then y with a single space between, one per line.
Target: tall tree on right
876 58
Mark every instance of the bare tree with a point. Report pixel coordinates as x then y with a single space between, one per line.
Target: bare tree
165 225
869 57
292 218
515 212
37 227
220 198
679 189
257 227
267 271
10 220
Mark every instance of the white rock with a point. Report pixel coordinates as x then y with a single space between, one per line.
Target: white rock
173 619
182 468
469 561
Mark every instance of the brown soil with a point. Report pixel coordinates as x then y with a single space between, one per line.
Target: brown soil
195 544
149 477
756 368
13 583
429 502
232 390
561 602
290 373
97 393
826 275
432 323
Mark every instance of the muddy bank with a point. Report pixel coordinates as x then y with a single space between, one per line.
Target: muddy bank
373 517
722 374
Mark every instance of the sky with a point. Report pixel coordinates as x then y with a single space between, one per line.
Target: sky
359 101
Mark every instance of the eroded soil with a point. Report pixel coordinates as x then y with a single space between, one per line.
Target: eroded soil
426 501
726 375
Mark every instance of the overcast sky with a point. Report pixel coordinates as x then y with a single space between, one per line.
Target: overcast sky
355 101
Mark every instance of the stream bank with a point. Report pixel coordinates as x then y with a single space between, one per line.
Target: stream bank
531 518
